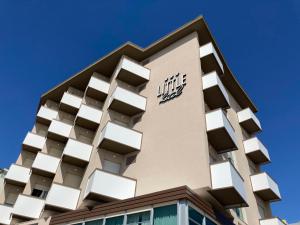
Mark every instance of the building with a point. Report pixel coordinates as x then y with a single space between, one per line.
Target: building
2 175
170 120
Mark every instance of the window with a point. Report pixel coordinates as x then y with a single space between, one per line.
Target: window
112 167
239 213
115 220
195 218
165 215
142 218
39 193
94 222
209 222
261 211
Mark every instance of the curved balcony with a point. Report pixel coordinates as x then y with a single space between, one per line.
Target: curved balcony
59 131
106 186
46 115
249 121
131 72
265 187
227 185
220 132
62 198
77 153
127 102
18 175
271 221
120 139
210 60
5 212
97 88
33 142
70 103
215 94
45 165
88 117
28 207
256 151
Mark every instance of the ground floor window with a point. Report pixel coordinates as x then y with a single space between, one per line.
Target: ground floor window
142 218
165 215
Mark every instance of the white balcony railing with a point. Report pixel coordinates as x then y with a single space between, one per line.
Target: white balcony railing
271 221
120 139
18 174
70 103
132 72
227 185
249 121
220 132
45 164
215 94
256 151
210 59
77 151
62 197
46 115
106 186
127 102
34 142
265 187
5 214
97 88
88 117
28 207
59 130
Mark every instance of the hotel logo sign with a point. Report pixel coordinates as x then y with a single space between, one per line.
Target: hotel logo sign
171 88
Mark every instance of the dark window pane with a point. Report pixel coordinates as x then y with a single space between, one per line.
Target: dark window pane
94 222
142 218
194 215
209 222
166 215
115 220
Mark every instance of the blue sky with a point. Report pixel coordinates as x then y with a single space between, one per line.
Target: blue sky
44 42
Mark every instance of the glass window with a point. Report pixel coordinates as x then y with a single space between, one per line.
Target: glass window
239 213
94 222
142 218
115 220
165 215
195 217
210 222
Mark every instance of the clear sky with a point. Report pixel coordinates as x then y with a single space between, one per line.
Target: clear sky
44 42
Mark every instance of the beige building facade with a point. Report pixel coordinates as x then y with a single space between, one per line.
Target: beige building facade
140 121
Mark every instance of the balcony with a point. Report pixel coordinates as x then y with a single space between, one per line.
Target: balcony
88 117
249 121
5 212
18 175
210 60
220 132
132 72
28 207
77 153
45 165
70 103
33 142
227 185
105 186
265 187
271 221
127 102
120 139
215 94
59 131
256 151
62 198
46 115
97 88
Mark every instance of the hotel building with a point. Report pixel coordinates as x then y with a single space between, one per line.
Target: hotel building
162 135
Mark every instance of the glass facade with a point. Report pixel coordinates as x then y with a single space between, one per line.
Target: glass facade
166 215
163 215
142 218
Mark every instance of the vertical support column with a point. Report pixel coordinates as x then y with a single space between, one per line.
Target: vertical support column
182 212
